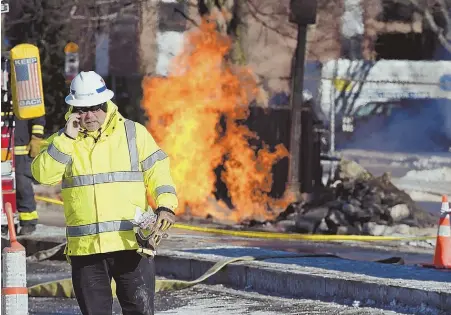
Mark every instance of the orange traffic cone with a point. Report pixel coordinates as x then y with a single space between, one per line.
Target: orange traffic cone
442 256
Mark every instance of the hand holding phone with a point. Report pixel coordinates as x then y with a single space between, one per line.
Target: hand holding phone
73 125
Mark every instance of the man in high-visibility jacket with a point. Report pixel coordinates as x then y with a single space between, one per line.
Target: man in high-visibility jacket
106 164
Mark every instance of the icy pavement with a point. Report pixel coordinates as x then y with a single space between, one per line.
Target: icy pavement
216 300
219 300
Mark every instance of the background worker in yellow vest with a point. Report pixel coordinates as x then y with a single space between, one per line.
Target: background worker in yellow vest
28 136
106 164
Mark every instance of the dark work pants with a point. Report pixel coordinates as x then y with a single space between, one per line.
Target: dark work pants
134 276
26 204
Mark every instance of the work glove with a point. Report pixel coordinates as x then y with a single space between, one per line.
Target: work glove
34 146
148 242
153 226
153 241
147 246
165 219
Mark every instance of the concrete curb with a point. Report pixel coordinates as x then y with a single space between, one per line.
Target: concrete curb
305 282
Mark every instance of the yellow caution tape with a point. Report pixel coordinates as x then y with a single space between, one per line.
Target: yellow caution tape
49 200
292 236
282 236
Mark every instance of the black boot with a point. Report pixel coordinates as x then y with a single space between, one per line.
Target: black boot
27 229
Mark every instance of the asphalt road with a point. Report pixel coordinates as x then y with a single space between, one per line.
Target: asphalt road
201 299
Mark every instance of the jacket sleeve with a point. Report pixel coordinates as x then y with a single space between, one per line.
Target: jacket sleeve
37 126
156 168
49 165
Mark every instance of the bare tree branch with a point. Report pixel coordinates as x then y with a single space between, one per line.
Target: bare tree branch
441 34
444 8
254 13
106 17
186 17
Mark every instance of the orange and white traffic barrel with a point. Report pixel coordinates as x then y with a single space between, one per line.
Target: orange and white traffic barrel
14 273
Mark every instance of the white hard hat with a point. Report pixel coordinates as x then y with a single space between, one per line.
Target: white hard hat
88 89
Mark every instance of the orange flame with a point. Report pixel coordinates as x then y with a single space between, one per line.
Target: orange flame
185 111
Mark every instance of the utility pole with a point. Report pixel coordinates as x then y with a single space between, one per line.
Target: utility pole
303 13
297 82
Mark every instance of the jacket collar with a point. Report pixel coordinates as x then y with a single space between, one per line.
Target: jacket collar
113 117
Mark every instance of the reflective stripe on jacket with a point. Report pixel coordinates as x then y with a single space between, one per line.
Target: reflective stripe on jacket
105 176
24 129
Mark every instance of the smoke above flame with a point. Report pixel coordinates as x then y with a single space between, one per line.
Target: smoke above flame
195 115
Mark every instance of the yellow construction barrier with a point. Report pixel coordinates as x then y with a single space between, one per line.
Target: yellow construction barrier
14 270
280 236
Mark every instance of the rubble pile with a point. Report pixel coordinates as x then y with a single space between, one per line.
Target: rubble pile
356 202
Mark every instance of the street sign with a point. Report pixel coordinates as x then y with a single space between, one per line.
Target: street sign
5 7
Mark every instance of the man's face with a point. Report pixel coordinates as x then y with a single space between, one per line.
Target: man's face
91 118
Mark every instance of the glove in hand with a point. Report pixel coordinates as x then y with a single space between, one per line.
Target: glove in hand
155 240
165 219
34 146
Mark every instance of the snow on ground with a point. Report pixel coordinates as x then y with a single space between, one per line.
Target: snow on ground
420 160
434 181
435 175
423 196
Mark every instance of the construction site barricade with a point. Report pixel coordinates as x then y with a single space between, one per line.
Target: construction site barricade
14 273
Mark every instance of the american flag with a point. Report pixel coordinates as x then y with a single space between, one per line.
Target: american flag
27 81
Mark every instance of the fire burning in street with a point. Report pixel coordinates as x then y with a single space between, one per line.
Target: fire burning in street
195 116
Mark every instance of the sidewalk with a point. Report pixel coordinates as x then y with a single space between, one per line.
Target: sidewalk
280 273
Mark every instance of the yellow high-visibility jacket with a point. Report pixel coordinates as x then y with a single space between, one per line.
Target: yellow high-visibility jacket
105 175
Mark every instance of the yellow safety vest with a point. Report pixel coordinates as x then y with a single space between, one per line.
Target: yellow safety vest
105 176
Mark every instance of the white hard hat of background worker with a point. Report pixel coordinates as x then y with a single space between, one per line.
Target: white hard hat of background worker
88 89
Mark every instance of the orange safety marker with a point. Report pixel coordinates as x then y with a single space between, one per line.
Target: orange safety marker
442 255
14 273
